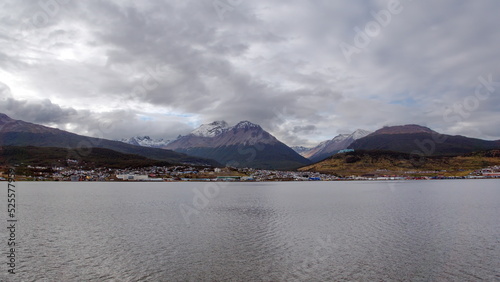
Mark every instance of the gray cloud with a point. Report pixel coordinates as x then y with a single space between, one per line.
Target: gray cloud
43 111
306 128
163 67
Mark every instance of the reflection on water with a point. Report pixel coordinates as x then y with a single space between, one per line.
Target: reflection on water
416 230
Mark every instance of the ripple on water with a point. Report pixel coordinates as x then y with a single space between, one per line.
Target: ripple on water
432 230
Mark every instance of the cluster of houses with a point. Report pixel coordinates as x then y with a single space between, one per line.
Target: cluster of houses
489 172
190 173
174 173
224 174
273 175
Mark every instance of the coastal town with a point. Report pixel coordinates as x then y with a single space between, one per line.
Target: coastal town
191 173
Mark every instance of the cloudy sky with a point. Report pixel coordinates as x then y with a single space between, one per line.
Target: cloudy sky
304 70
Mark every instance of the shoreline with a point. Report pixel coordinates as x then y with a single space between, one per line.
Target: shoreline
265 181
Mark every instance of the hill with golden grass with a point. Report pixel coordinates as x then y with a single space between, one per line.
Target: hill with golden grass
394 163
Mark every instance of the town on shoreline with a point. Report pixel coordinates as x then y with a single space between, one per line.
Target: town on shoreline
203 174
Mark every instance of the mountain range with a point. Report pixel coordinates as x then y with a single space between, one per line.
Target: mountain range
421 140
145 141
378 163
21 133
53 156
329 147
243 145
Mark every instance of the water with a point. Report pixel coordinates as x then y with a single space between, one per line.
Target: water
289 231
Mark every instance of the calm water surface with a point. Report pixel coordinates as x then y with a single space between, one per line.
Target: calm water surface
291 231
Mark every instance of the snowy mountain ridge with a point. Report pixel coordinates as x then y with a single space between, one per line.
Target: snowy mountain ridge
245 144
211 130
216 128
332 146
146 141
360 133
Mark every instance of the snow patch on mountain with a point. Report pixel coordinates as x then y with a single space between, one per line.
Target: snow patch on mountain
246 124
211 130
217 128
360 133
146 141
329 147
300 149
338 138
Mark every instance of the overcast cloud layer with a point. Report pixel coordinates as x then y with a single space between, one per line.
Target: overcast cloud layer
304 70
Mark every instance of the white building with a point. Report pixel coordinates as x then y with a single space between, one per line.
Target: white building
132 176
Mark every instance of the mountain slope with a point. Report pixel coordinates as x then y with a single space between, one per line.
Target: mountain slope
329 147
50 156
211 130
415 139
20 133
243 145
393 163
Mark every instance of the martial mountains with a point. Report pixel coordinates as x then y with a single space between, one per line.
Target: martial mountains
146 141
410 139
21 134
407 148
330 147
243 145
419 140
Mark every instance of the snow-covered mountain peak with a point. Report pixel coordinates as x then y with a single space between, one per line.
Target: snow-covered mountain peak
339 138
360 133
246 124
211 130
146 141
329 147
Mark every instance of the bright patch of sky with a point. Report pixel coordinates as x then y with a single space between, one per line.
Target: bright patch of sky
163 68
